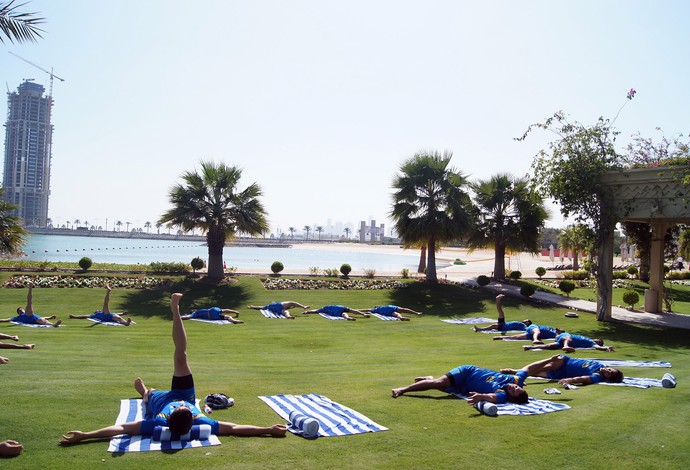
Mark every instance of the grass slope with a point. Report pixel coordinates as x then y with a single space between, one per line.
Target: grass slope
77 374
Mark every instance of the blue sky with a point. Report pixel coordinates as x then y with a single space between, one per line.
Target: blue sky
320 101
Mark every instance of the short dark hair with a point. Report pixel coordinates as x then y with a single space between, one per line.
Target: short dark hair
598 341
19 310
521 397
180 421
615 377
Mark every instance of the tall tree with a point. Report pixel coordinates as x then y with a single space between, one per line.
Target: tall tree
319 229
210 200
292 232
508 216
12 232
16 25
430 204
576 239
307 229
347 232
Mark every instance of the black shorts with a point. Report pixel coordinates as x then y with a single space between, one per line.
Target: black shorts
182 383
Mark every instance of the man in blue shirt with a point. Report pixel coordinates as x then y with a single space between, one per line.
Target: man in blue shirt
501 325
569 370
478 383
568 342
534 332
393 311
106 315
174 408
27 315
280 308
337 311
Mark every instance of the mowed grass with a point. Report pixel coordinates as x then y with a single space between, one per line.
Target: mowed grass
77 374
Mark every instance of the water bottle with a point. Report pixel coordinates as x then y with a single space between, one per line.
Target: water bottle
487 408
207 410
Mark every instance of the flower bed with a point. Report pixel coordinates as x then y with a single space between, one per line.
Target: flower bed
23 281
350 284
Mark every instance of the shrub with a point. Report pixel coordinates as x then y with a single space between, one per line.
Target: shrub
528 290
277 267
85 263
515 275
197 263
566 286
483 280
621 274
630 297
314 271
632 270
160 267
405 273
369 273
345 269
328 272
575 275
587 265
540 271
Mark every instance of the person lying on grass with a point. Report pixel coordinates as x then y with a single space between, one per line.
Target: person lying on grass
4 360
569 342
393 311
338 311
569 370
280 308
174 408
534 332
106 315
478 383
501 324
27 315
213 314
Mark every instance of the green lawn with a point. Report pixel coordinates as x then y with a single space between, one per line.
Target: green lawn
77 374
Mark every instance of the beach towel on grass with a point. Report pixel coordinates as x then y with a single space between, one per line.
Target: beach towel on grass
330 317
133 410
31 325
384 317
629 363
535 406
269 314
469 321
636 382
334 419
108 323
217 322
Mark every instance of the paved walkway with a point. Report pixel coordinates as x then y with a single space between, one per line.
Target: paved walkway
669 320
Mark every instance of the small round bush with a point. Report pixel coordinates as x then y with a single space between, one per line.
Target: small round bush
527 290
345 269
630 297
277 267
632 270
540 271
197 263
483 280
405 273
85 263
515 275
566 286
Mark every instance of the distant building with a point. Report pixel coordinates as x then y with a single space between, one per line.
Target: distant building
375 233
28 149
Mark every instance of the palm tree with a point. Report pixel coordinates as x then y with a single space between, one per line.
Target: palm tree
292 232
158 227
18 26
319 229
77 222
12 232
86 223
210 200
128 224
307 229
347 232
575 239
508 216
119 224
147 226
430 205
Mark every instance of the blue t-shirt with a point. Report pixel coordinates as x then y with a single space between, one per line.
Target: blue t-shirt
213 313
468 379
577 368
162 403
24 318
100 316
514 326
275 307
579 341
333 310
546 332
385 310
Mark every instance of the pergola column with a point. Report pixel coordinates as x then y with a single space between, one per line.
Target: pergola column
656 265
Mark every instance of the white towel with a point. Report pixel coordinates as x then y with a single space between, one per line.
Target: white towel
108 323
269 314
31 325
330 317
384 317
535 406
133 410
630 363
217 322
469 321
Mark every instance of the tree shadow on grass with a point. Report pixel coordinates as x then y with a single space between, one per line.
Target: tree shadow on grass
651 337
156 302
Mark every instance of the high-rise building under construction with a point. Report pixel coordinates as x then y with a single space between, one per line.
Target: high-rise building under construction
28 148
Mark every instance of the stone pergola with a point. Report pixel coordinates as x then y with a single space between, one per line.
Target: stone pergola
656 196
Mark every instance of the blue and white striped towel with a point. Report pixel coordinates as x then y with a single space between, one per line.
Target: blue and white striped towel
269 314
108 323
133 410
217 322
469 321
535 406
31 325
384 317
334 419
629 363
330 317
636 382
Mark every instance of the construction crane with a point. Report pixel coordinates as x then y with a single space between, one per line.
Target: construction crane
52 75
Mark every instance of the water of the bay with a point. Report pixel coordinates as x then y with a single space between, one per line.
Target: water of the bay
146 251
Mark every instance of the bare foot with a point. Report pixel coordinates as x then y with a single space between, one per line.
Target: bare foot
72 316
366 315
57 323
474 328
351 319
537 341
14 338
128 322
404 319
29 346
238 321
278 430
526 348
396 392
497 338
141 388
